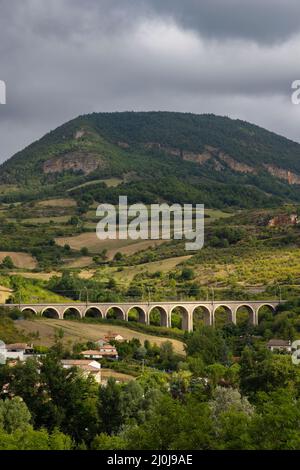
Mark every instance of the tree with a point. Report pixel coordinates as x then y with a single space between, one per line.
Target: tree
14 415
194 290
106 442
118 256
187 274
24 381
74 220
167 356
173 426
276 426
74 397
7 263
133 403
179 384
59 441
263 371
196 366
227 399
134 291
234 431
208 343
34 440
110 407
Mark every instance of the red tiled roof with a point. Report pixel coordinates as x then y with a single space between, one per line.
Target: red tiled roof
84 364
278 342
17 346
90 369
109 353
91 352
76 362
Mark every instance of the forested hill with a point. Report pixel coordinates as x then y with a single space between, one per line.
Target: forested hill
153 156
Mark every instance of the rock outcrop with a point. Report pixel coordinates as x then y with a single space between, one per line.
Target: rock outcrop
281 173
74 161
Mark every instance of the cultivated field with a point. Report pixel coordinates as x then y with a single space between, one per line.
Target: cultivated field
20 260
215 214
43 276
60 202
8 188
81 262
164 265
110 183
81 332
256 268
45 220
106 373
90 241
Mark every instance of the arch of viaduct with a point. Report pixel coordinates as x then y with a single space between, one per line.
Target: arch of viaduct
122 309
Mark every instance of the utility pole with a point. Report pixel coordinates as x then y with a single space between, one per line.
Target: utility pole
212 303
280 296
213 294
87 296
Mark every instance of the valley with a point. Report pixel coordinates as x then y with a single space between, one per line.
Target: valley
155 355
55 226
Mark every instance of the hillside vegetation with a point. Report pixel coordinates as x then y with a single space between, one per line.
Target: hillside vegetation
157 155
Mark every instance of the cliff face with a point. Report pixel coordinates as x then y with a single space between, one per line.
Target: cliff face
74 161
283 219
287 175
221 160
235 165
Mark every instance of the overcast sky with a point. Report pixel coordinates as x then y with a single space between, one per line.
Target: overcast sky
62 58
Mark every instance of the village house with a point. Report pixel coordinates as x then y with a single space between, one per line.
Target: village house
279 345
19 351
91 354
104 351
113 337
100 342
109 351
87 366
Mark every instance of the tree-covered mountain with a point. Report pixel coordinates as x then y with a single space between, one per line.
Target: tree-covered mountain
168 156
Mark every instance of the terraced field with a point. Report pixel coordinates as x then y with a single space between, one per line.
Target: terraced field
94 245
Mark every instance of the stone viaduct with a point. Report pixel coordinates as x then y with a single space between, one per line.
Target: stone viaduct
144 310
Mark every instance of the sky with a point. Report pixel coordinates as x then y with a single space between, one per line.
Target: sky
63 58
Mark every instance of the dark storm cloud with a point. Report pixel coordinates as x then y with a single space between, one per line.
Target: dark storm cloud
61 58
258 20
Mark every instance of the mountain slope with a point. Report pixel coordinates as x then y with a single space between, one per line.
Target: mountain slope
159 156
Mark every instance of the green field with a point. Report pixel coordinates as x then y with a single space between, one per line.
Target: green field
110 183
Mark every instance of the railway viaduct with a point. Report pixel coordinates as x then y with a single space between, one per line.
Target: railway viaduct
122 310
